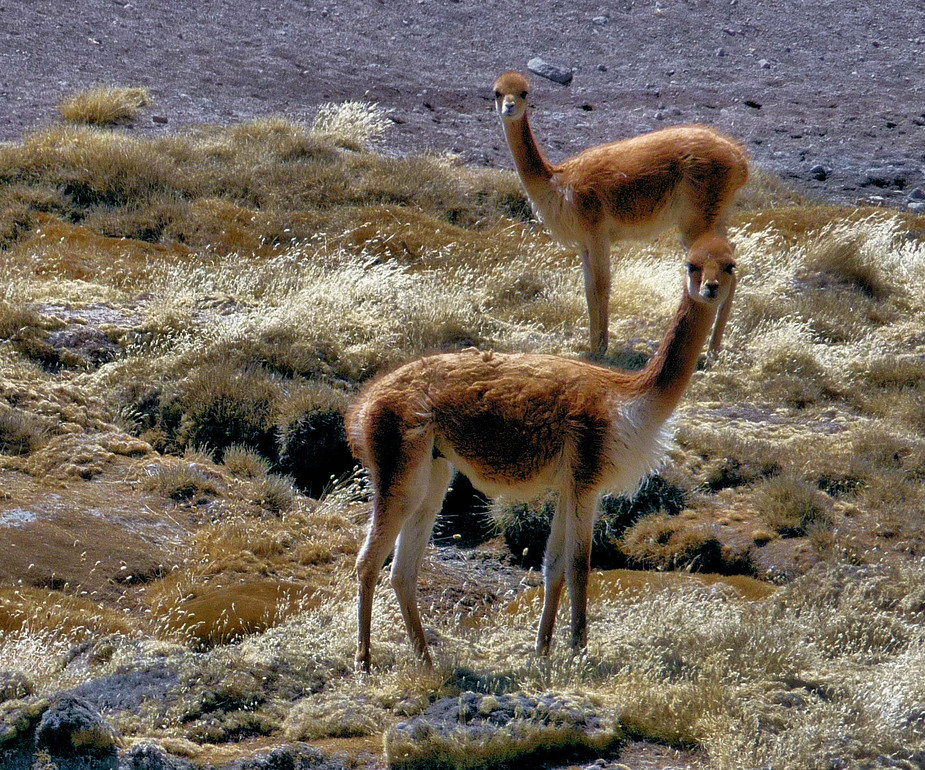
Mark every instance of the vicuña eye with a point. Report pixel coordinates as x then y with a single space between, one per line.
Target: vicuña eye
692 268
523 94
729 268
497 94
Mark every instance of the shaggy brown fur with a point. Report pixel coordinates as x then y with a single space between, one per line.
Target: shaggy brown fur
520 424
685 176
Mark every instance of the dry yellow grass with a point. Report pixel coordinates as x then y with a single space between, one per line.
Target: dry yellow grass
175 310
104 106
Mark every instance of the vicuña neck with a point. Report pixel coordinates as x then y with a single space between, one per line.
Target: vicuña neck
529 159
669 372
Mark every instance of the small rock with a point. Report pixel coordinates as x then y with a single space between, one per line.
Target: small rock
916 207
72 727
148 756
159 119
601 21
472 727
555 72
764 64
602 68
720 52
885 176
917 194
289 757
819 172
752 103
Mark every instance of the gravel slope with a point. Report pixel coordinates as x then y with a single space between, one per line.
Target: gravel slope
828 93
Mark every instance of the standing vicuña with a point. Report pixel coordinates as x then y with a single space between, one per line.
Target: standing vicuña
520 424
685 176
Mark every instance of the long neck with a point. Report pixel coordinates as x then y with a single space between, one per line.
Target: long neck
532 166
668 373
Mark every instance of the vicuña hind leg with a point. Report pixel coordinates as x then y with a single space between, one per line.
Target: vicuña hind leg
413 539
394 499
595 262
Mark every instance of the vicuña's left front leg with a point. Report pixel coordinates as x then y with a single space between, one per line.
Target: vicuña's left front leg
595 263
722 316
578 560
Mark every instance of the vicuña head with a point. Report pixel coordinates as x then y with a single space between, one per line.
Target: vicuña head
684 177
520 424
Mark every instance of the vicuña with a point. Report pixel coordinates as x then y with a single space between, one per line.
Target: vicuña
684 176
521 424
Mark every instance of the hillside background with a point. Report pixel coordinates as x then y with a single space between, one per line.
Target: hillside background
803 84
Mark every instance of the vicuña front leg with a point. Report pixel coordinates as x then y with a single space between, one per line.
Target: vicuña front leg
567 561
578 555
553 580
722 316
595 262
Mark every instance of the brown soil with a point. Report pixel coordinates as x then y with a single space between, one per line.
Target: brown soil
831 83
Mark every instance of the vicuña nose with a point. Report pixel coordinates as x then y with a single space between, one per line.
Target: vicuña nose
710 289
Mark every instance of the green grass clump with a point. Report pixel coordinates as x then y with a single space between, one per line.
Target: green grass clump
245 462
273 492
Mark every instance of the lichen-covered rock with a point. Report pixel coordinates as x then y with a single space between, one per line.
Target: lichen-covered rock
17 719
476 731
72 727
148 756
289 757
127 690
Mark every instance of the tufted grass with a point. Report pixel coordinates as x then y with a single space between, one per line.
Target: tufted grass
104 106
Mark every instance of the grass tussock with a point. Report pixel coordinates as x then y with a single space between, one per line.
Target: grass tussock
104 106
791 507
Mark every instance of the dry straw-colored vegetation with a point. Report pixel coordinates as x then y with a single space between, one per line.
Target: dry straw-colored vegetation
104 106
182 323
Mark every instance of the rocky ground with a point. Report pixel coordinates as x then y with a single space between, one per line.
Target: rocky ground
828 93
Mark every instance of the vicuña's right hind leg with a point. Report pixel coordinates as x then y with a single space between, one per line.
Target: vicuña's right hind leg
397 496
